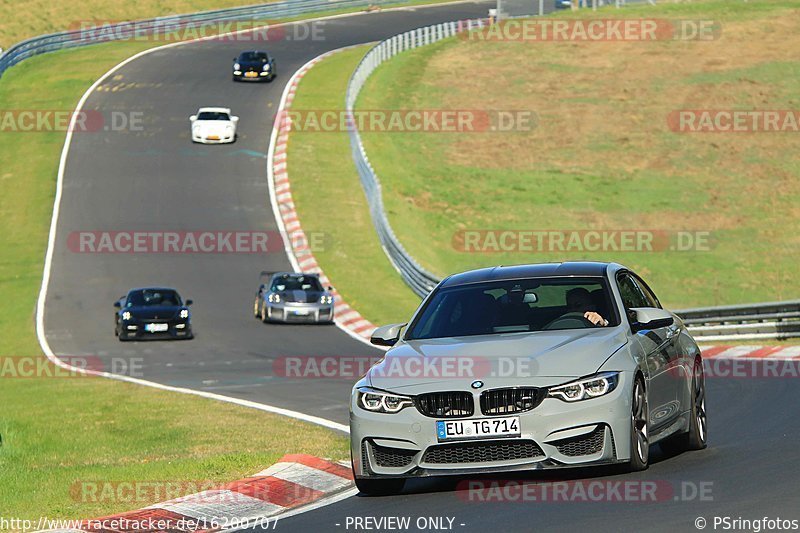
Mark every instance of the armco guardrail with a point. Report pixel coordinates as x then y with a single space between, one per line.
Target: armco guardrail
420 280
771 320
775 320
138 29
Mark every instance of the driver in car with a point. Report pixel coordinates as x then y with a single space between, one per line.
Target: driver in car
580 301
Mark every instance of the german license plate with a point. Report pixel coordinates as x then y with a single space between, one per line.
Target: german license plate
155 328
301 312
507 426
250 74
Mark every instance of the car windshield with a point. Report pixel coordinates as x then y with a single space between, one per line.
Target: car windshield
296 283
213 115
513 306
254 56
153 298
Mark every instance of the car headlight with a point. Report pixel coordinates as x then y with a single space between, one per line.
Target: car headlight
266 67
237 66
326 299
126 315
274 298
184 313
586 388
382 402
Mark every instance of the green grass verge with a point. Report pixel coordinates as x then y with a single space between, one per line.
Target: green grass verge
602 156
329 199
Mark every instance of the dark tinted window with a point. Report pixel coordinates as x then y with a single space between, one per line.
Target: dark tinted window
213 115
254 56
512 306
153 298
652 301
631 295
296 283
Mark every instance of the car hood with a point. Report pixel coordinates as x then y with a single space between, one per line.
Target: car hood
536 359
213 125
304 297
154 313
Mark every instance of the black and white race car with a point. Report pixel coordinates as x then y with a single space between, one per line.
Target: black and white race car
293 297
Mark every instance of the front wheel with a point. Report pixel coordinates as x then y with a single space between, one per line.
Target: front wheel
380 487
640 442
256 312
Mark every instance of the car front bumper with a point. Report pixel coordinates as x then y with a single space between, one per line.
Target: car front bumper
211 140
299 312
177 329
555 434
262 76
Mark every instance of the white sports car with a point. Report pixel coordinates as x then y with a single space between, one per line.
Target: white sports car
213 125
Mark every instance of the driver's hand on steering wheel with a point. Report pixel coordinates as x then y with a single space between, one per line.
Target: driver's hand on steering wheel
595 318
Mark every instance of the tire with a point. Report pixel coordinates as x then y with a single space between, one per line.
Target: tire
380 487
256 312
640 443
696 438
264 317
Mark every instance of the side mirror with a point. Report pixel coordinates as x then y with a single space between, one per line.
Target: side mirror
330 288
651 318
118 304
234 119
192 118
386 335
189 302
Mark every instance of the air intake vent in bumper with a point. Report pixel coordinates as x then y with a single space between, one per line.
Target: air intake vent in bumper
583 444
482 452
390 457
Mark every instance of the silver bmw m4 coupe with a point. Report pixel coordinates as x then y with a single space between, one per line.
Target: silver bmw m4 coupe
525 368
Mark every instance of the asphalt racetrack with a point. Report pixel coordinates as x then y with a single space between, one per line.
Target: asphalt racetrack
156 180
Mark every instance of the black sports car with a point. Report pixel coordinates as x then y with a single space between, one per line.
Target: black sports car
293 297
153 312
254 66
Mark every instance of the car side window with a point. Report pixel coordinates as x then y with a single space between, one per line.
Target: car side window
652 301
631 295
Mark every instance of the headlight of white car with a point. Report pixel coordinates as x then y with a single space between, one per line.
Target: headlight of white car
382 402
586 388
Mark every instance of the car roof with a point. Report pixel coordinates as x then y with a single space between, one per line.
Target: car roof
152 289
214 110
539 270
306 274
